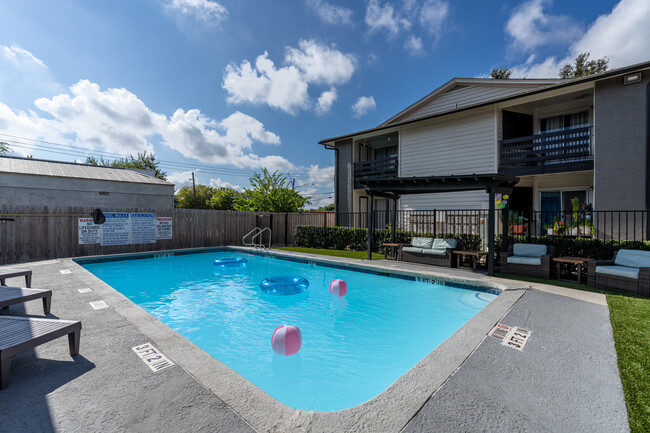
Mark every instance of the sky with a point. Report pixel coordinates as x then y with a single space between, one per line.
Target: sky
226 88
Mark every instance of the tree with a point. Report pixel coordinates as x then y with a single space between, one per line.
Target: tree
184 198
225 199
583 67
270 193
501 74
143 161
4 148
327 208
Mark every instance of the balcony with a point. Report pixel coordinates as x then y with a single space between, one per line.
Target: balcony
552 152
376 168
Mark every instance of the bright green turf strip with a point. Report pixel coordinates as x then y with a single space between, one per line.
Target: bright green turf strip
630 318
337 253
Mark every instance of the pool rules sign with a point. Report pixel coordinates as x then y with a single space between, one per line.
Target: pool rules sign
122 228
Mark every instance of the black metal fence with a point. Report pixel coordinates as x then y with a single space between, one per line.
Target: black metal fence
631 225
628 225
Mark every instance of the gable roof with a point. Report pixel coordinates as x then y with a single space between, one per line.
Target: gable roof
459 92
41 167
396 120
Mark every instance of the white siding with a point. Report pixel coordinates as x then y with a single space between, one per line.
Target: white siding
464 97
458 144
445 200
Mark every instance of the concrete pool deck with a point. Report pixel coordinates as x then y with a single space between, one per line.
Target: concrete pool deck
566 379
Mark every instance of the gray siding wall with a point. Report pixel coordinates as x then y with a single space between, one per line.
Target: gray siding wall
620 116
344 176
466 96
30 190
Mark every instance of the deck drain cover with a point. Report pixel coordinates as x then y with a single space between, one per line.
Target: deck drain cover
85 290
152 357
65 271
98 305
511 336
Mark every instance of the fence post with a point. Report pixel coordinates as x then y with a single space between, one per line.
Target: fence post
435 222
324 228
286 229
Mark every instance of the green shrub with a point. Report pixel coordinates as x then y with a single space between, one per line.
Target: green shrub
356 239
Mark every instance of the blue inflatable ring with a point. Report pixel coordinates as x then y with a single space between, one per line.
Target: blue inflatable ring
284 285
230 262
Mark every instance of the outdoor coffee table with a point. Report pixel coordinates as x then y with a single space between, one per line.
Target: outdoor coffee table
476 256
10 273
393 250
578 261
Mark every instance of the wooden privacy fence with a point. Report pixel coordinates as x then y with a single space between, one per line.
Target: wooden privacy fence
30 233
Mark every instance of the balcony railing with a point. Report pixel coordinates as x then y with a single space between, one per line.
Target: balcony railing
377 168
551 152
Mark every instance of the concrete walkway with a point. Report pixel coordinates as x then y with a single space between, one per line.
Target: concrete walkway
566 379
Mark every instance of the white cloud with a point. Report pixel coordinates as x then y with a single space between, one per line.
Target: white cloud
320 63
181 178
326 100
530 27
210 12
412 16
384 17
21 55
218 183
363 105
323 176
432 15
286 88
413 45
330 13
116 121
620 35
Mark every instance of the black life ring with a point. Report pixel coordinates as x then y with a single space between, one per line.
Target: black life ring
98 216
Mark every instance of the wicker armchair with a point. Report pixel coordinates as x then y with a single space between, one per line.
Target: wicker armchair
638 286
445 259
542 270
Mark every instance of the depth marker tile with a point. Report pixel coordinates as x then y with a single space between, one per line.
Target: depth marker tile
98 305
151 356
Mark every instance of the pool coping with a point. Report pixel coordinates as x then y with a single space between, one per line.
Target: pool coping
391 410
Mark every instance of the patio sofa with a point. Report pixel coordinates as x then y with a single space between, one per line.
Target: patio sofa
430 251
628 272
532 260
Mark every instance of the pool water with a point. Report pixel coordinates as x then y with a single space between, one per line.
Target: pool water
353 347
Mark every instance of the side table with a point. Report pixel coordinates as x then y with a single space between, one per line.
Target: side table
578 261
476 256
392 248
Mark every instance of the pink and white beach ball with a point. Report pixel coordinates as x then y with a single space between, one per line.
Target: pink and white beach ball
338 288
286 340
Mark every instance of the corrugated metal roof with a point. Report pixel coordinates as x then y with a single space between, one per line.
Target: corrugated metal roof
39 167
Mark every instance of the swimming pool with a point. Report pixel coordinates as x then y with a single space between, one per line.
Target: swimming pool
353 347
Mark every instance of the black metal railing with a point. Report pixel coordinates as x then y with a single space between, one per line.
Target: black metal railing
629 225
376 168
547 153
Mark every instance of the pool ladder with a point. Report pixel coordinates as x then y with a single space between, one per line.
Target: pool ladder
255 235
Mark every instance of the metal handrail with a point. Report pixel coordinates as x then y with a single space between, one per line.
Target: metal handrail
261 245
250 233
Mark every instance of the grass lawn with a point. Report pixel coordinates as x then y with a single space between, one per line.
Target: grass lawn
630 318
336 253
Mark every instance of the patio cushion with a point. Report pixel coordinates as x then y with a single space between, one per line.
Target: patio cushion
523 260
422 242
444 243
529 250
412 250
435 251
619 271
633 258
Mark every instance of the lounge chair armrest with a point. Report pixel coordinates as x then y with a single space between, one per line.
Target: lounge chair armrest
594 263
644 282
546 266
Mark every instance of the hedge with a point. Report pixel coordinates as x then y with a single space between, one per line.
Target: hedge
356 239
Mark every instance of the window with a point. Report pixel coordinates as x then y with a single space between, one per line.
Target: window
557 204
564 122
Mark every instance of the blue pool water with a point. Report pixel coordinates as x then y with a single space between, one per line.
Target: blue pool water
353 347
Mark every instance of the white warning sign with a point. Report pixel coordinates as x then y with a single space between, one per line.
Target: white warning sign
89 232
164 228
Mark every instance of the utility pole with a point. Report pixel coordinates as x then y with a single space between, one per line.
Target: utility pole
194 187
